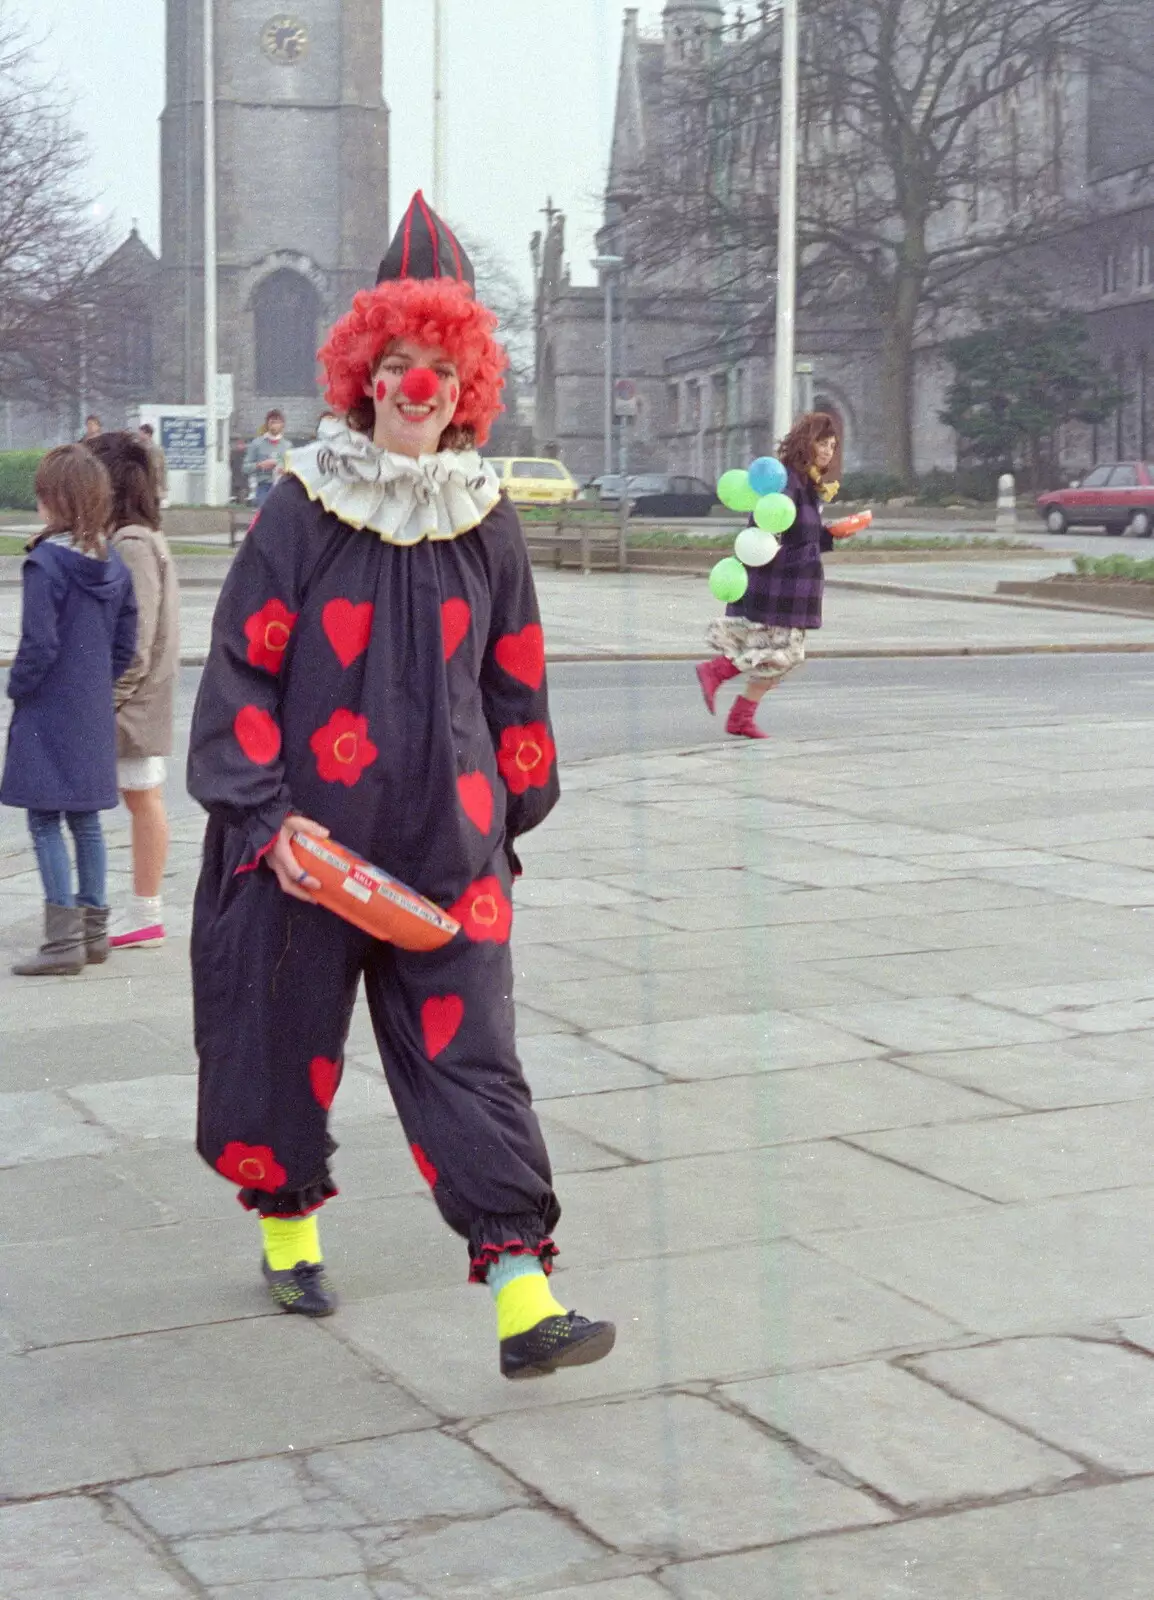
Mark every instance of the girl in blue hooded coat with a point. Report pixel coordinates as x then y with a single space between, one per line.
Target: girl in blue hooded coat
78 634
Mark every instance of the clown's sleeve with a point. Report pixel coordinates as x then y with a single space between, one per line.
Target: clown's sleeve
235 759
513 686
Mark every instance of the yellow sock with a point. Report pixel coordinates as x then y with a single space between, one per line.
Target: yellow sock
288 1240
524 1302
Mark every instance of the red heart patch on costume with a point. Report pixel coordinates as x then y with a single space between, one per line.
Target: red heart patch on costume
441 1016
324 1075
347 628
424 1166
476 794
455 619
257 734
522 655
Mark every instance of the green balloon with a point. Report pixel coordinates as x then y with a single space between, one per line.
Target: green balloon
734 491
729 580
774 513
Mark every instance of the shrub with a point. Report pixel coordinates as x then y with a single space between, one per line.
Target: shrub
875 486
17 479
1115 567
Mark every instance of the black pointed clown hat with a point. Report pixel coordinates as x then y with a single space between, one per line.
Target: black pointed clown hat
424 246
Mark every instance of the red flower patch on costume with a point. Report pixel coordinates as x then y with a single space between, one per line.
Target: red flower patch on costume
476 796
526 757
441 1018
347 628
484 912
257 734
455 619
324 1076
522 655
252 1166
268 632
343 748
424 1166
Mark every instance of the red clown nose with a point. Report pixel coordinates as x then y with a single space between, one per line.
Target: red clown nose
419 385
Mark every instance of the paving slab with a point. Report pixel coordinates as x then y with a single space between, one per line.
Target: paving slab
502 1555
785 1306
704 1202
726 1046
558 1065
1025 1157
347 1588
67 1198
1073 1546
638 1588
160 1107
939 1023
57 1058
127 1417
1109 1006
1013 1269
902 1437
233 1558
1088 1397
973 970
1082 1071
665 1476
766 1108
36 1125
61 1549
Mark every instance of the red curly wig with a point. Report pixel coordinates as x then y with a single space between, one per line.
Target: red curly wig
433 312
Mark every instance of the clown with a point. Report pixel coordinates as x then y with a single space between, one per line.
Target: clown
377 671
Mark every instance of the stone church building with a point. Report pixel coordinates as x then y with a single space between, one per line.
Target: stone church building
701 361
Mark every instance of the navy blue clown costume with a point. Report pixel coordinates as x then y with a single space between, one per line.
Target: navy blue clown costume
378 665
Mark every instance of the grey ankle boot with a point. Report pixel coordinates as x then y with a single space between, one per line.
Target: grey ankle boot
95 933
62 954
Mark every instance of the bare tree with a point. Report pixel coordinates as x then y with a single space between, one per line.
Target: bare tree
50 302
934 141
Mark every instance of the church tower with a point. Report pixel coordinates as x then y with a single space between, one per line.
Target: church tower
302 134
690 27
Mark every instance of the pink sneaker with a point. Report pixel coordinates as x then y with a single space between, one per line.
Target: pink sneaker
149 938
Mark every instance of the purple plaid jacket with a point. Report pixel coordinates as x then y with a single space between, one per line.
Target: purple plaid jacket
787 591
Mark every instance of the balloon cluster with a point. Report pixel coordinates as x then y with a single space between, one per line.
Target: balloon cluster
759 490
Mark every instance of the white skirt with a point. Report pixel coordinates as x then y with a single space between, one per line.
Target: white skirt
141 772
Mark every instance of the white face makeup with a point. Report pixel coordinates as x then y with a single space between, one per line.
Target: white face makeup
414 390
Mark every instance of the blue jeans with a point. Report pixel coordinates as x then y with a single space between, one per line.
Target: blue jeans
52 856
263 490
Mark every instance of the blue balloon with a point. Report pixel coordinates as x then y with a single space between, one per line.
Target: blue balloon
767 475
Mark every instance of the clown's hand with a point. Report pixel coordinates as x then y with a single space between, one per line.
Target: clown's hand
292 877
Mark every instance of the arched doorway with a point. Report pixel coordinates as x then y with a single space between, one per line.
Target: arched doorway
286 318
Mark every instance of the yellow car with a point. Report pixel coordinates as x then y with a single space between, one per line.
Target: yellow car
534 482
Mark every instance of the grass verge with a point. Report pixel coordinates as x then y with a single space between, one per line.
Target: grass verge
1115 567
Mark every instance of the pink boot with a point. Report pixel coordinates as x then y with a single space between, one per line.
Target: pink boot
711 675
742 719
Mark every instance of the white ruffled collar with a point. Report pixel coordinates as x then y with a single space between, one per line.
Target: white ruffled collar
403 499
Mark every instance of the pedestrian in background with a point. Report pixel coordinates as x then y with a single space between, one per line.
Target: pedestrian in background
158 462
77 635
143 695
92 426
763 633
264 459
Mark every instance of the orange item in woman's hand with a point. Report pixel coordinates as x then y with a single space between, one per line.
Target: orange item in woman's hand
848 526
370 899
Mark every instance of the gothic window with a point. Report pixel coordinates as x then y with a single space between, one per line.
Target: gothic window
1110 273
286 314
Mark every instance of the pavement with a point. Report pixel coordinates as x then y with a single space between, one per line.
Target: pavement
841 1046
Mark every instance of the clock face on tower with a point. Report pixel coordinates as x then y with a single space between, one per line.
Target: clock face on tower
284 39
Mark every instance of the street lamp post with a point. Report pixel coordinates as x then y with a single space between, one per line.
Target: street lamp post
784 343
211 476
608 267
439 104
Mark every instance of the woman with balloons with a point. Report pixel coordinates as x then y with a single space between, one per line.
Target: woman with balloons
773 582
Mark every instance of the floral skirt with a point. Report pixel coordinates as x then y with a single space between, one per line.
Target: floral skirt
766 653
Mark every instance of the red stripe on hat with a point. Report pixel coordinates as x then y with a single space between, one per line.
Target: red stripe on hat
456 253
433 232
408 242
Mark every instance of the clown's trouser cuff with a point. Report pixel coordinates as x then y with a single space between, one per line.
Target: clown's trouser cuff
274 984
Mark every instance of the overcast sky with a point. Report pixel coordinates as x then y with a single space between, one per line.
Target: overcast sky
531 87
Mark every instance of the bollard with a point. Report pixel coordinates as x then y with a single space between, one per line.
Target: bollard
1006 521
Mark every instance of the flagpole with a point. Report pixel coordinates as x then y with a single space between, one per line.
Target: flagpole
785 339
439 105
211 474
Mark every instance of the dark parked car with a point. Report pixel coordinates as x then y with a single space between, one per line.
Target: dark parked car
658 494
1116 497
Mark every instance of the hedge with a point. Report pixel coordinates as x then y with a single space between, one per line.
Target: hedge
17 479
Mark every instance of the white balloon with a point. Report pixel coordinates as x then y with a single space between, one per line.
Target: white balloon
755 547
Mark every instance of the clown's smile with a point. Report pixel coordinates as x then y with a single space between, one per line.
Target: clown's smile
415 393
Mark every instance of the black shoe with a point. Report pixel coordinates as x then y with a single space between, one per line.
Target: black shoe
568 1341
301 1289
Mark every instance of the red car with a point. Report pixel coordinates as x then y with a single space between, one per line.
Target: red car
1116 497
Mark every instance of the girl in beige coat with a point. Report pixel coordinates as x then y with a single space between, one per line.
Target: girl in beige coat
144 695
